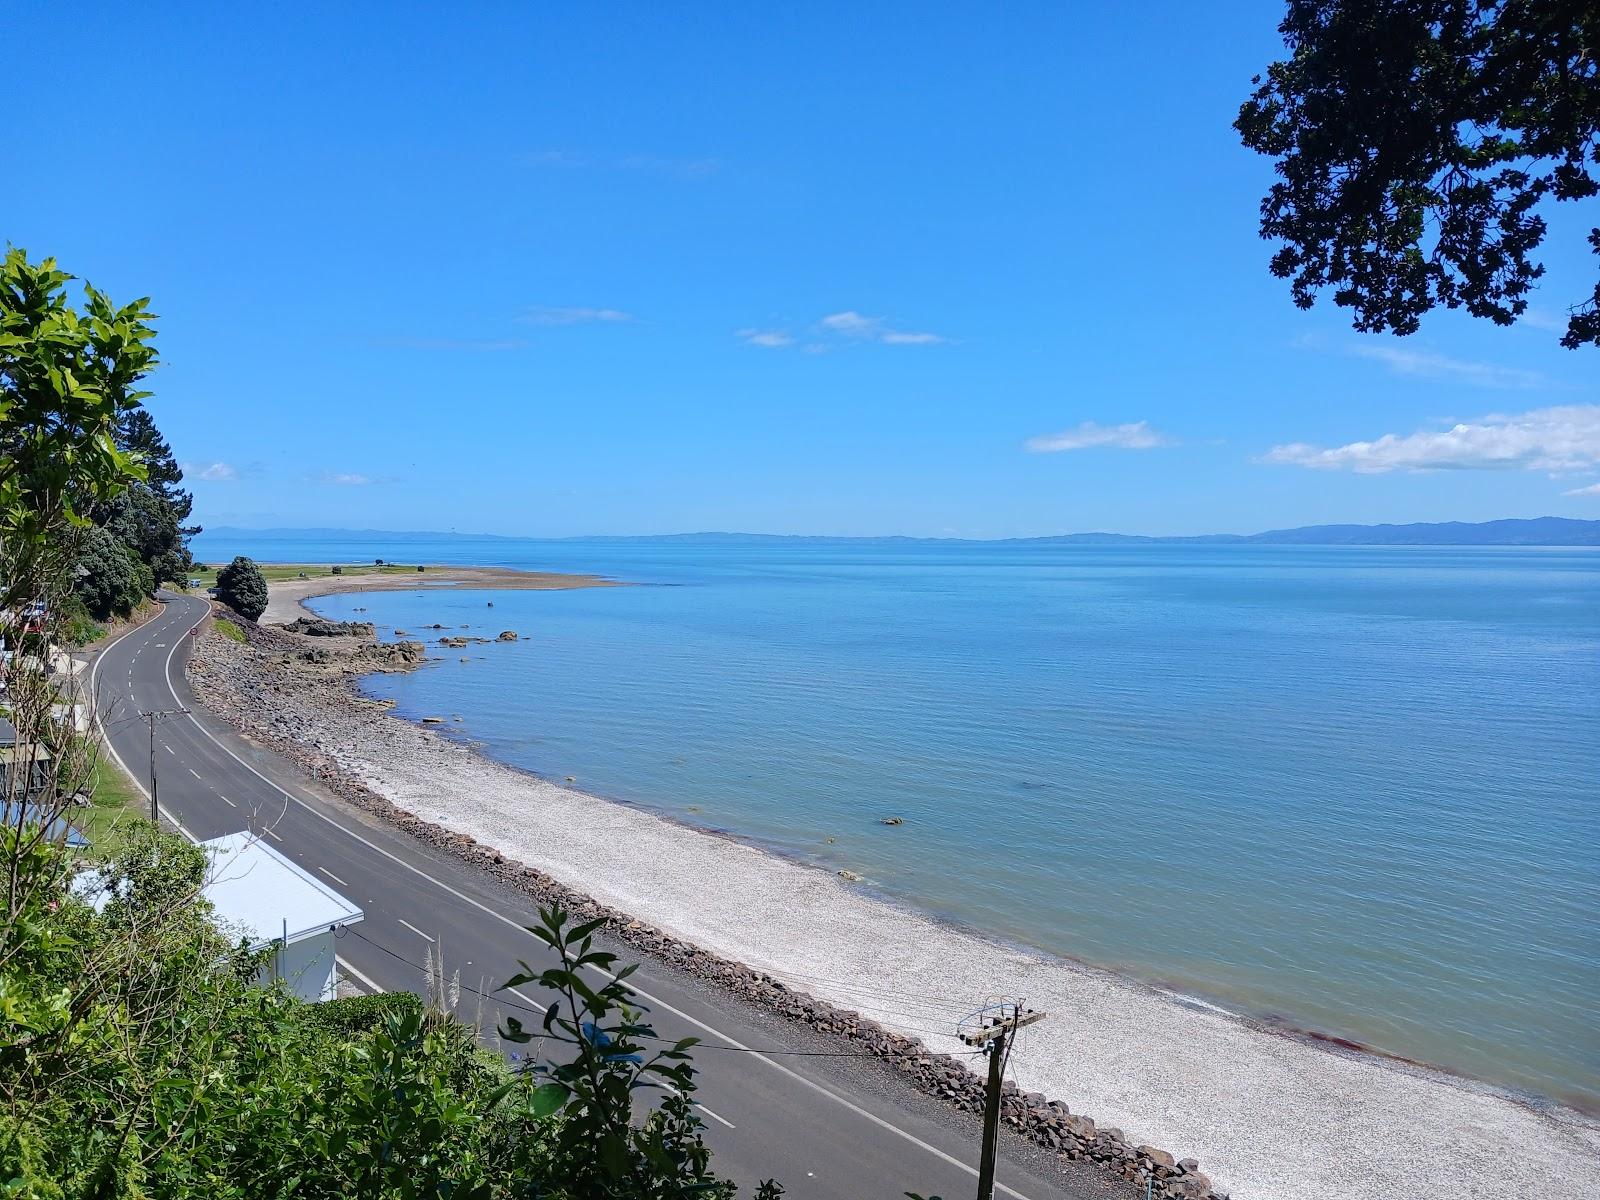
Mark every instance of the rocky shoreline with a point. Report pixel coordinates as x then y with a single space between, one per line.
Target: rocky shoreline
283 686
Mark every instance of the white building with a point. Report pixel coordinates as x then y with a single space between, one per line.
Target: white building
260 895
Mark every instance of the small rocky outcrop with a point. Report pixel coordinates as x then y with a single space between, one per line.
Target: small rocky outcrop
317 627
508 635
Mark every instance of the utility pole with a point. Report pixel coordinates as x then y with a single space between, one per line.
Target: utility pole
153 717
993 1027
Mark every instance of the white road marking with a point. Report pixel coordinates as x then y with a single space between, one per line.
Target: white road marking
272 835
94 673
527 999
333 877
195 773
829 1093
169 750
413 928
349 970
226 801
714 1116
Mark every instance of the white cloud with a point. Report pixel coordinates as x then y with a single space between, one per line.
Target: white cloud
1437 366
769 339
573 316
214 472
852 324
346 478
1592 490
1564 438
1136 435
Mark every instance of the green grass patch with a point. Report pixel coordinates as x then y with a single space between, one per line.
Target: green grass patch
229 630
115 803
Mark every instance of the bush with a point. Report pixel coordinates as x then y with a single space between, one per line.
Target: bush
242 587
362 1014
110 581
77 627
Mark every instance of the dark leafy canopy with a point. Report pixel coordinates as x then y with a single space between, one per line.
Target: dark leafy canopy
242 587
66 378
110 580
1416 142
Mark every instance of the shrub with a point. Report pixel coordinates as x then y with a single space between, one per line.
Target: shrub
110 581
362 1014
242 587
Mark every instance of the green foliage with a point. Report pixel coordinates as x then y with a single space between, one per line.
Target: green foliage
229 630
75 626
363 1014
139 1058
66 378
1415 143
599 1149
242 587
110 581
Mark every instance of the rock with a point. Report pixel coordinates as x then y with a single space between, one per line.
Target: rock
1190 1165
433 720
851 876
893 821
1160 1157
572 779
509 635
317 627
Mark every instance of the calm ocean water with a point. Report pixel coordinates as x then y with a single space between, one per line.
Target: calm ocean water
1358 789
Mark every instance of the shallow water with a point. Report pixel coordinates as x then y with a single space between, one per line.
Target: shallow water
1355 788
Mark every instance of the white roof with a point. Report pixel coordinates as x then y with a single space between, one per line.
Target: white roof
260 894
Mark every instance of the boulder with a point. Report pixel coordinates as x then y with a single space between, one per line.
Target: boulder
509 635
317 627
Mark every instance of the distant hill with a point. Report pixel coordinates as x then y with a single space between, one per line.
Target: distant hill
1535 531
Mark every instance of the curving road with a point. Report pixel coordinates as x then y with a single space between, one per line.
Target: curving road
826 1127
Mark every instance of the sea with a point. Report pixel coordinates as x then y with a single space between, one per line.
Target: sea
1353 790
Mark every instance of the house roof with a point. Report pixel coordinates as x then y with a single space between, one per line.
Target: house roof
264 896
14 813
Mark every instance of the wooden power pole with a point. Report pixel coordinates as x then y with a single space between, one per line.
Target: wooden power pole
153 717
993 1028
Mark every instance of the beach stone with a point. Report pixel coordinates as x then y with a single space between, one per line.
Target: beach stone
508 635
1160 1157
433 720
893 821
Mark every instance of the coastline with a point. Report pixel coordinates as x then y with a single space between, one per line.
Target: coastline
285 597
1269 1114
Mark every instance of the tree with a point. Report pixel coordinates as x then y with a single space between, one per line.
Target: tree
137 434
242 587
66 378
1416 142
110 581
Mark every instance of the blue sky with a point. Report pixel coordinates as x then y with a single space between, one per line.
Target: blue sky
842 269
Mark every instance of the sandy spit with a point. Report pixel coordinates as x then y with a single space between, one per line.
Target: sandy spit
284 596
1269 1116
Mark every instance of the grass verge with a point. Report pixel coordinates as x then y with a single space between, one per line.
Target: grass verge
229 630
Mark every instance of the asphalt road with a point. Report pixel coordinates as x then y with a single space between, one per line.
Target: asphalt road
775 1104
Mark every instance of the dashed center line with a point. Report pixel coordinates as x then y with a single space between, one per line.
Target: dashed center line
195 773
226 801
170 751
333 877
272 835
413 928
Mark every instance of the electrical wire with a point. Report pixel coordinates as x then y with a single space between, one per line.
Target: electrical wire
702 1045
